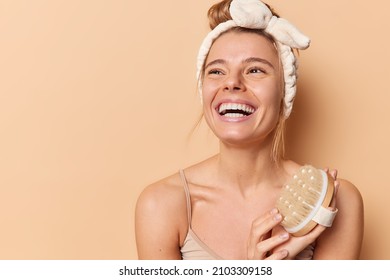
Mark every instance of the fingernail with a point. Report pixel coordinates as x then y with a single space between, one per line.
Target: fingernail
284 235
277 217
274 211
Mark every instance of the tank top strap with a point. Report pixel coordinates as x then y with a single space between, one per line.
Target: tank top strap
188 198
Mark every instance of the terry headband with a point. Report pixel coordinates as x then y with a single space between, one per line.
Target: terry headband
254 14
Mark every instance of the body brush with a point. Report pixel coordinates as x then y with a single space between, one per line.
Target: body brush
305 199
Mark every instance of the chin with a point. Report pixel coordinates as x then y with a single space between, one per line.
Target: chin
236 139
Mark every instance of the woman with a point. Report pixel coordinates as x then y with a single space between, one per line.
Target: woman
224 207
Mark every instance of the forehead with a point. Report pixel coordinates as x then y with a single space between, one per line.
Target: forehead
235 45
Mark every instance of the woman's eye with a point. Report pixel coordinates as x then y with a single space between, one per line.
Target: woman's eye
215 72
256 71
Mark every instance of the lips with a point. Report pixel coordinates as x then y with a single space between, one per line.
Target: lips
235 110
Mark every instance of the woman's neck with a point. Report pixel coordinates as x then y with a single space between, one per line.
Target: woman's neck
248 167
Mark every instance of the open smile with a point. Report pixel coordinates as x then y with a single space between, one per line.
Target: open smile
235 110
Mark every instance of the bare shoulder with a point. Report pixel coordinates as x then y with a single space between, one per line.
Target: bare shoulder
349 201
162 196
161 220
348 194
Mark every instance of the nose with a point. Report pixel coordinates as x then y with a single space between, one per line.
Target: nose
234 83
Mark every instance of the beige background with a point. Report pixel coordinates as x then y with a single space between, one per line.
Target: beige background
98 98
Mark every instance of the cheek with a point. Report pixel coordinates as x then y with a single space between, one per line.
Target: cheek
208 93
270 94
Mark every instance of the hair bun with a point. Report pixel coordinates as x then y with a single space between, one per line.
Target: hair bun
219 13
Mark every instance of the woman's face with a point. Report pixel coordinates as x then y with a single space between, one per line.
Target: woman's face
242 88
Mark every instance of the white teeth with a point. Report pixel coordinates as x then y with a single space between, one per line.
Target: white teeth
234 115
235 106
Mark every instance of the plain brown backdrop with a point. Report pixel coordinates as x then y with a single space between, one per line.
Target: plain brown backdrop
98 99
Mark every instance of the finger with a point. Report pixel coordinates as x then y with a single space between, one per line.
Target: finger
267 245
336 188
326 169
333 173
314 234
279 255
261 228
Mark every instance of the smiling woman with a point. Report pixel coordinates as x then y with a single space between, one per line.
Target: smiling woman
242 71
247 82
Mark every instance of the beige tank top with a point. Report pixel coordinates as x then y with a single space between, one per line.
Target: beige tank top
194 248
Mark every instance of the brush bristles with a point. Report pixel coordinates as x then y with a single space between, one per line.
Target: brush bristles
300 197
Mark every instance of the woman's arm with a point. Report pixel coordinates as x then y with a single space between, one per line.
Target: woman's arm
160 215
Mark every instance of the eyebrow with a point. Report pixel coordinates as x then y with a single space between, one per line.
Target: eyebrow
248 60
217 61
258 59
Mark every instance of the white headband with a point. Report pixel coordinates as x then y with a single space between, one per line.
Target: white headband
254 14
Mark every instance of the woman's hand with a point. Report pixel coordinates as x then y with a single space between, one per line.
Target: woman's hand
261 242
295 245
268 240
